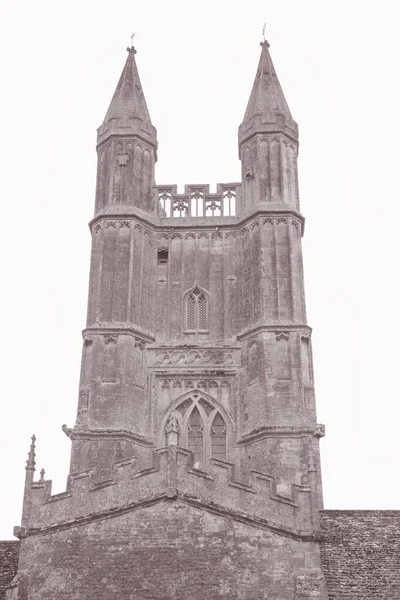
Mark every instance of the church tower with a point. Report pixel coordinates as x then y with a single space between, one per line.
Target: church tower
195 470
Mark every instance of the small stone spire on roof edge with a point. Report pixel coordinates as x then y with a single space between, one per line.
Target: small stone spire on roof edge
31 463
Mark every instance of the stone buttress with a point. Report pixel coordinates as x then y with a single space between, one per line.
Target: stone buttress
195 466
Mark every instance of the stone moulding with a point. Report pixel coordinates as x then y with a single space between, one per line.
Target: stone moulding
276 431
204 225
111 434
277 328
115 330
170 468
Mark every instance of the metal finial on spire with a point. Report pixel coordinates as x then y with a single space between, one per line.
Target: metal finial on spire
264 42
30 463
131 48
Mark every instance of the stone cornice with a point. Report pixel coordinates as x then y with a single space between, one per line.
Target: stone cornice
176 225
128 329
173 495
315 430
276 327
111 434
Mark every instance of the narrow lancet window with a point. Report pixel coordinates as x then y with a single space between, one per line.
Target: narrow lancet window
196 310
218 438
195 438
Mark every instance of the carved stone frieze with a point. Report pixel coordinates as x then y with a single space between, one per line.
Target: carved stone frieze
192 384
194 357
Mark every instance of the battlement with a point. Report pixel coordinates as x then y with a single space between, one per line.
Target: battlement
172 474
197 201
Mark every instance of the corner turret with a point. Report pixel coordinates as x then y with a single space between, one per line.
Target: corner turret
268 142
127 147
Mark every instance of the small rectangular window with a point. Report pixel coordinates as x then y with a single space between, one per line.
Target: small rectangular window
162 256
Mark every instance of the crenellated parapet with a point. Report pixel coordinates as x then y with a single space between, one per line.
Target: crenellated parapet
172 473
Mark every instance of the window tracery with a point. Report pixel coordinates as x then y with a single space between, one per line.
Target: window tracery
196 302
202 429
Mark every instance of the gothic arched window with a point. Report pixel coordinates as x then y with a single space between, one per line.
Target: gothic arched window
202 429
196 304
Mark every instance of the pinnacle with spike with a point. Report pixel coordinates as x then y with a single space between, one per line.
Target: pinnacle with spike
30 463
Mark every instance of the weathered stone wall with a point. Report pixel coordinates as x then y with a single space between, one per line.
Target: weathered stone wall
168 551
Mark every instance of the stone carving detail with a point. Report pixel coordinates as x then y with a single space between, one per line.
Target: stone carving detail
163 236
110 339
111 224
281 336
230 234
254 224
176 236
139 227
97 228
244 231
190 384
123 159
203 234
216 235
195 357
295 223
124 224
172 423
319 431
190 235
249 174
281 220
268 220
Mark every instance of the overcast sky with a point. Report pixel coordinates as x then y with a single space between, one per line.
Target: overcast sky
338 65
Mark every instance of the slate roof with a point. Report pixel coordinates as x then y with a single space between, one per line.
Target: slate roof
360 554
9 552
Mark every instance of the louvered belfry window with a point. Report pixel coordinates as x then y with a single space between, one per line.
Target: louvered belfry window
196 310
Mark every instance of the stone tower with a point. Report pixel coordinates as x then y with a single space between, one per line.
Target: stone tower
195 470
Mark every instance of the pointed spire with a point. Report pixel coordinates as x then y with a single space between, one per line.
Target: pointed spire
128 113
267 109
30 463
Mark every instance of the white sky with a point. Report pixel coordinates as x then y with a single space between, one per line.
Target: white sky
338 65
